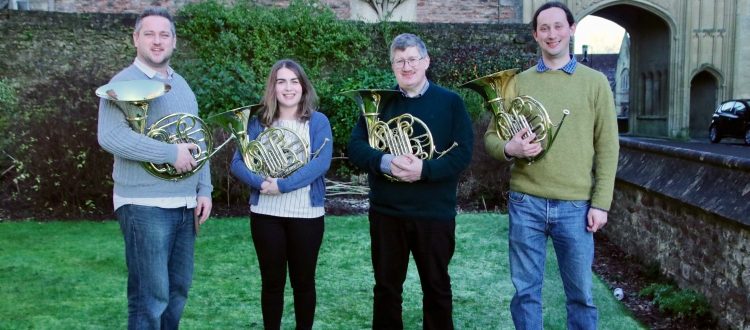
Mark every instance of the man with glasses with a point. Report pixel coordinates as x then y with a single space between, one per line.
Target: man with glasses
413 201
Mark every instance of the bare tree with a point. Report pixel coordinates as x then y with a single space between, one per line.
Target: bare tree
384 8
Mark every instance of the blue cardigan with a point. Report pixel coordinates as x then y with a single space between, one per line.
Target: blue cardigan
313 173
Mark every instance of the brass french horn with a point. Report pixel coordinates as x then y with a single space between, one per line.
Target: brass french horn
397 136
523 111
132 98
277 152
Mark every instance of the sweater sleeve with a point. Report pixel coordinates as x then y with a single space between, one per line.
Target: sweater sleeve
606 147
116 137
321 138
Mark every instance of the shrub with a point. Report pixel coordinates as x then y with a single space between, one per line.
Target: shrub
8 97
235 47
232 50
484 185
60 171
8 106
683 303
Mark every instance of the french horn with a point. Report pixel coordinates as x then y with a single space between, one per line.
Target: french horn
276 152
404 134
523 112
132 98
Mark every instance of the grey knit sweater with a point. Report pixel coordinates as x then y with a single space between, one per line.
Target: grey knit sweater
131 148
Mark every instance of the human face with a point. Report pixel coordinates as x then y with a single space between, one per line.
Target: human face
553 34
288 90
410 78
155 42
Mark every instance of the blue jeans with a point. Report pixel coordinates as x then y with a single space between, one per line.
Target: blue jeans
532 220
159 246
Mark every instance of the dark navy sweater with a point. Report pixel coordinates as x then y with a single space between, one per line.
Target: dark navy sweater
433 197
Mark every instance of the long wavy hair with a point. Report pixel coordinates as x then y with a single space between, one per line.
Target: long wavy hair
307 104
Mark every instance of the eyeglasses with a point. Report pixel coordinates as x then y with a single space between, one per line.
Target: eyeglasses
412 62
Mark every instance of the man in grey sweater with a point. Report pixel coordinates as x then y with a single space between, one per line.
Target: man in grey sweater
158 217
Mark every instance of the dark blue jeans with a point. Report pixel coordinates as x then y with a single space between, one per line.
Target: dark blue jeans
532 220
159 246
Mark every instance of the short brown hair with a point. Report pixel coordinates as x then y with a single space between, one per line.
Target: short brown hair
155 11
553 4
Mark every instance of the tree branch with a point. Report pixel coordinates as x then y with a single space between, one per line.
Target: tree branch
384 8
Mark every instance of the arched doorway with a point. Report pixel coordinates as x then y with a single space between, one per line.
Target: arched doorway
650 53
704 88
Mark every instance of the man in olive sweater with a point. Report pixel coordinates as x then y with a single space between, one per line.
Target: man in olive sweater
566 194
414 210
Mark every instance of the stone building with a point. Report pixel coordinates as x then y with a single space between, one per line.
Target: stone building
454 11
622 79
684 56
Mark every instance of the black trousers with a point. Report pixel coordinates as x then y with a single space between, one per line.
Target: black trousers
280 242
432 244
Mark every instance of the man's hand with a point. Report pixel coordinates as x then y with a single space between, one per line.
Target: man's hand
523 147
203 209
399 162
270 187
185 161
407 168
596 219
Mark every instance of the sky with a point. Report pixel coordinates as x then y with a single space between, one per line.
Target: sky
603 36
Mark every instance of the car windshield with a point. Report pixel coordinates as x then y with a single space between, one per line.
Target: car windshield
739 108
726 107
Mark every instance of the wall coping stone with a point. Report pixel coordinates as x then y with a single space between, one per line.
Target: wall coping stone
687 154
715 183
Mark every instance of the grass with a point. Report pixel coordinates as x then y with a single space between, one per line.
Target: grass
72 275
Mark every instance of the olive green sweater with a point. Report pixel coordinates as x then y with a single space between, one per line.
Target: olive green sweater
582 162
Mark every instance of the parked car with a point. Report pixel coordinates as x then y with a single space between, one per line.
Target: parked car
731 119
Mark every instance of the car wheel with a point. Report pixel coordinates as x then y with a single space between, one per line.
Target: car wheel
747 136
713 135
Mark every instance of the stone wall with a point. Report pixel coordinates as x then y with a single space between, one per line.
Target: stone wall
687 212
102 6
469 11
56 60
37 46
444 11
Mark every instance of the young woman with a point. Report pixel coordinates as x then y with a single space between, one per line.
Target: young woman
286 214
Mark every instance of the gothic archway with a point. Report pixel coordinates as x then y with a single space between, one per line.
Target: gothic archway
650 52
704 89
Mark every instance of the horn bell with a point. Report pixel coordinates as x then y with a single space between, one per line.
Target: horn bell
132 97
522 112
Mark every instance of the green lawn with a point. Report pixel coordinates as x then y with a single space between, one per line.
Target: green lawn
72 275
